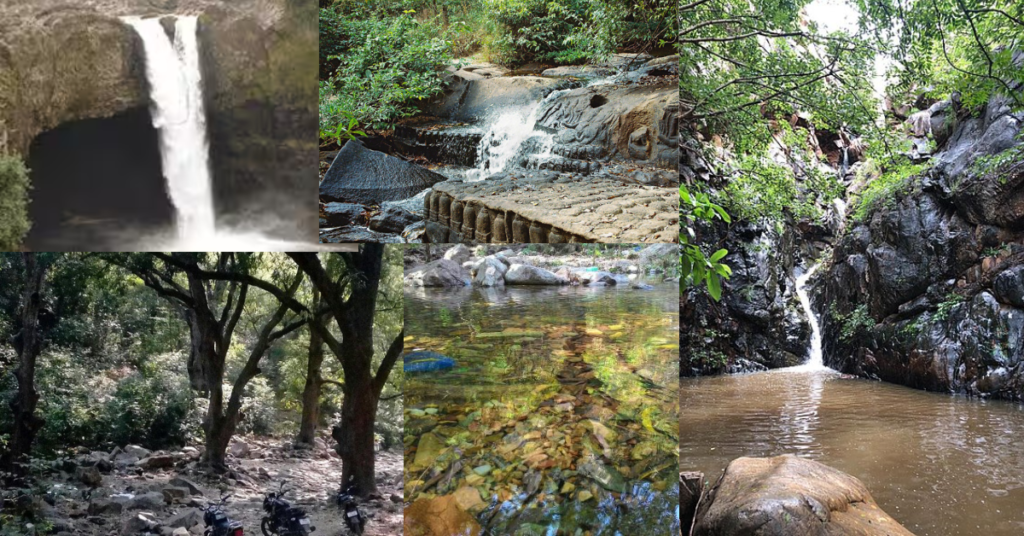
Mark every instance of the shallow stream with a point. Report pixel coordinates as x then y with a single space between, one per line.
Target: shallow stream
560 410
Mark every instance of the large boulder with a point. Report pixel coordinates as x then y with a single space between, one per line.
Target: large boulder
791 496
524 274
490 272
368 177
440 273
156 461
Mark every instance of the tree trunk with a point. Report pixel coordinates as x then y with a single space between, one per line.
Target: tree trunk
218 430
311 393
23 406
355 436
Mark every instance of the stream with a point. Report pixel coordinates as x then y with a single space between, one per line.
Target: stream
559 415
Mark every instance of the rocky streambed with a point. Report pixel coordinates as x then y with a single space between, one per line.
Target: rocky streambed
582 154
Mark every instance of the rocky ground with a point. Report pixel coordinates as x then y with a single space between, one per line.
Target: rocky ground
131 489
490 266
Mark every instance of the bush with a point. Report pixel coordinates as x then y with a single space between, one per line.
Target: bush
387 66
14 187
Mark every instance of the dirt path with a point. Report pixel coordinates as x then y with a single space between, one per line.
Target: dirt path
118 492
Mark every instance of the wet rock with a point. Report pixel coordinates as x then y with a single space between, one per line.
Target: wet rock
440 516
363 176
471 98
427 450
468 499
608 477
339 214
581 71
791 496
440 273
345 235
1008 286
393 219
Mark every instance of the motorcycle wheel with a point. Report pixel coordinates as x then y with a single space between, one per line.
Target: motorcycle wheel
266 527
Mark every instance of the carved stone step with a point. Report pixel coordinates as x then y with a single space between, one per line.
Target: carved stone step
565 165
459 146
579 152
545 207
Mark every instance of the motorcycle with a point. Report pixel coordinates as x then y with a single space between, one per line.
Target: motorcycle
282 518
347 500
217 522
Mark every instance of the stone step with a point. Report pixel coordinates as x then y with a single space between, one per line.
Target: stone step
579 152
564 165
546 207
460 147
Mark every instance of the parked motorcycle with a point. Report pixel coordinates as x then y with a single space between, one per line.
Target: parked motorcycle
217 522
282 518
354 519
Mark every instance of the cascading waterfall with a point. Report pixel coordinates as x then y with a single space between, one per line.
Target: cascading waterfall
176 91
505 135
815 360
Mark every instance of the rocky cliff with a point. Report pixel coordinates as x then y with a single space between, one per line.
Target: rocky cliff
928 290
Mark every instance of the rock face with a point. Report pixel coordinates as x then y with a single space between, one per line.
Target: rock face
926 291
533 208
758 324
470 96
440 273
631 123
790 496
364 176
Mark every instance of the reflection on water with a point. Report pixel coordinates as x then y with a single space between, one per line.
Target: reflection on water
941 465
561 410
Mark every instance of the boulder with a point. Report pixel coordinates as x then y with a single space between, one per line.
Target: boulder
98 507
137 523
186 519
440 516
458 253
156 461
791 496
597 278
89 476
152 500
180 482
368 177
393 219
238 448
440 273
137 451
173 494
490 272
524 274
340 214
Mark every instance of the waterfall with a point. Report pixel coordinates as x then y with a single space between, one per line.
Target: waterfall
814 356
172 70
505 135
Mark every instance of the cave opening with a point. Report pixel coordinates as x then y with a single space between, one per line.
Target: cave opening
96 182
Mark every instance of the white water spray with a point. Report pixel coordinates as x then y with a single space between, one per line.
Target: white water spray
176 91
505 134
814 355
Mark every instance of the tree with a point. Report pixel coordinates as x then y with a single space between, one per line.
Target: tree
212 301
314 382
351 295
14 186
28 342
697 267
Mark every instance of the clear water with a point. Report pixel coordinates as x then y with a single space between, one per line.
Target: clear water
941 465
549 383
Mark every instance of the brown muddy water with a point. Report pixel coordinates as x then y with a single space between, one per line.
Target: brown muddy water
941 465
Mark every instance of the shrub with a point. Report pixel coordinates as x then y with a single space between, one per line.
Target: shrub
14 187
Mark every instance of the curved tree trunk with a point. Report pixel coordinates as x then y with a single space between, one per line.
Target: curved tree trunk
28 343
311 392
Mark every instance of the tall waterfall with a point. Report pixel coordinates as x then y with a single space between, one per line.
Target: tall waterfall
172 70
814 356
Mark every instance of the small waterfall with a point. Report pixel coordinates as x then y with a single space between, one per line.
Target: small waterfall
814 355
172 70
505 135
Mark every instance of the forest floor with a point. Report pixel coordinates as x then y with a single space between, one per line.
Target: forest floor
76 499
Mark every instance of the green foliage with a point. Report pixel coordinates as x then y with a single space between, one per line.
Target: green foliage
947 305
696 266
387 66
884 190
853 324
14 188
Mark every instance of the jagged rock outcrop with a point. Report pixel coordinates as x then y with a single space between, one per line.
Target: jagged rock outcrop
926 291
791 496
548 208
758 323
